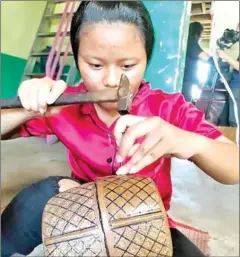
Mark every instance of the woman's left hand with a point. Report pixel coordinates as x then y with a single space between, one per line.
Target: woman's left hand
161 140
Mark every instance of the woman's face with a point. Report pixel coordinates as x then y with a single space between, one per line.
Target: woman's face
106 51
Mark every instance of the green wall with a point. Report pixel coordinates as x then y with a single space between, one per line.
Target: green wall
19 24
12 70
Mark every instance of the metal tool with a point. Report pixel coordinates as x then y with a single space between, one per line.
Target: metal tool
122 95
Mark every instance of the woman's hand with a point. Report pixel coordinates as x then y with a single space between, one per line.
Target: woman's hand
161 139
37 94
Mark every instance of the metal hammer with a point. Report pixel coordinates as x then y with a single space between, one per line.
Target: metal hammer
122 95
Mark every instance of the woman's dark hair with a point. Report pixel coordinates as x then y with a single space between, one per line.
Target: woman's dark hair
132 12
195 31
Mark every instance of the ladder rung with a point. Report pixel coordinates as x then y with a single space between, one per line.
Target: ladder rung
35 75
39 75
50 34
54 16
47 53
62 1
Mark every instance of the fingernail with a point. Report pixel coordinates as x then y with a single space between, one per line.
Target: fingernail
119 158
133 170
121 171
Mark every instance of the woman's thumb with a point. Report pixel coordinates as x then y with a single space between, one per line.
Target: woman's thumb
57 90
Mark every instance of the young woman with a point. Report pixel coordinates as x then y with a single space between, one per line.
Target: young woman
194 54
110 38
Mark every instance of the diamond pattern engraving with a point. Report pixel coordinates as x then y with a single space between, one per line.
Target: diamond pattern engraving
70 211
131 215
130 197
73 211
144 239
89 246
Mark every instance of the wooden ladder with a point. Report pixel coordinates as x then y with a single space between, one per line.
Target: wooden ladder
51 53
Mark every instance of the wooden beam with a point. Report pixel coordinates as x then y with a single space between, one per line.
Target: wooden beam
204 8
201 19
196 9
203 22
208 6
200 13
200 2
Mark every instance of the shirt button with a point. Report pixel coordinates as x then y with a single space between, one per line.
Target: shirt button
109 160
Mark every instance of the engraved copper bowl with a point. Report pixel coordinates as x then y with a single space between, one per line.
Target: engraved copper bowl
113 216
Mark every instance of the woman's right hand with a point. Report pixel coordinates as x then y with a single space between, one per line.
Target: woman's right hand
37 94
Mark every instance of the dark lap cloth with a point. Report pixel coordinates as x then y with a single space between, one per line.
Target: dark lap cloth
22 219
182 246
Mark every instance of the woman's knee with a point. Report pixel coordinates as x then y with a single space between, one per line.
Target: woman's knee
48 186
45 187
21 220
33 197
